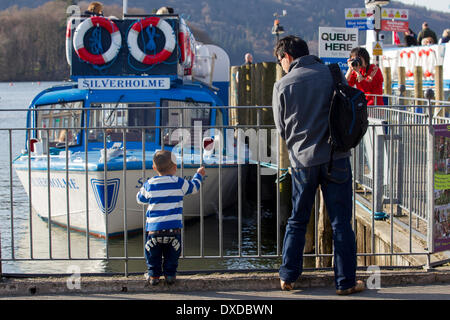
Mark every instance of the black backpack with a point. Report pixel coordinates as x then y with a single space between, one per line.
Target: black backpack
347 118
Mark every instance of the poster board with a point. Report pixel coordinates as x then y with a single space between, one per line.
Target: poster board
441 214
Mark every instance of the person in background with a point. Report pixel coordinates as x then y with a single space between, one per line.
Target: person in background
165 10
164 195
301 102
365 76
410 38
95 9
425 33
445 36
428 41
248 58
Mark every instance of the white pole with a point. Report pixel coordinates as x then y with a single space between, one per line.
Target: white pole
125 8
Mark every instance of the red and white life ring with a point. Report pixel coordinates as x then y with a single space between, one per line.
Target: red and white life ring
162 55
428 58
97 59
69 42
409 60
184 43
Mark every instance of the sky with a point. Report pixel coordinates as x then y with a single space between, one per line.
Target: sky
440 5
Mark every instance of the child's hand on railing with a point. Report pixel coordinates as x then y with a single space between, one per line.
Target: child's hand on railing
201 171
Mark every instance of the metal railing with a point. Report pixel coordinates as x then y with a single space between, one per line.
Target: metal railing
398 134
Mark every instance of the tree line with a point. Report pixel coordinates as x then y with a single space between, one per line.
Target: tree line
32 41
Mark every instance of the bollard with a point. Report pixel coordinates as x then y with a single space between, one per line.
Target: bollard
402 85
418 88
439 87
387 81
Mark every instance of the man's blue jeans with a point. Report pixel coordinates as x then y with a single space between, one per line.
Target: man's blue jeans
337 194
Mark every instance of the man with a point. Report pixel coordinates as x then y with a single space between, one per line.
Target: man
248 58
425 33
301 101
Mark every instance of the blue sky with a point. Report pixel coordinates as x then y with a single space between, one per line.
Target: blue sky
440 5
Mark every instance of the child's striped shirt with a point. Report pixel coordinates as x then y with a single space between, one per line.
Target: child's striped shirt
164 196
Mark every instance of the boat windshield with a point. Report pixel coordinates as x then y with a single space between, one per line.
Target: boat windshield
61 121
118 118
188 116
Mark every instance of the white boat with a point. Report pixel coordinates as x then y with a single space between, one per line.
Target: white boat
130 101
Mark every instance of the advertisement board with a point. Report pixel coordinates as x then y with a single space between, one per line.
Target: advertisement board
441 215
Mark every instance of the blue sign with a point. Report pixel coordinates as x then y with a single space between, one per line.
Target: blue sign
342 62
367 24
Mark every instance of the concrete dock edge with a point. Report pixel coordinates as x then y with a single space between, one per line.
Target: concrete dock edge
255 281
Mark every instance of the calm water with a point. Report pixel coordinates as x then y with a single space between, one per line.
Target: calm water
19 244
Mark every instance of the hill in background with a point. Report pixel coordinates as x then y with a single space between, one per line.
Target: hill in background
235 25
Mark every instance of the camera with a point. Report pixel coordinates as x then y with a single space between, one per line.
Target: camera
355 62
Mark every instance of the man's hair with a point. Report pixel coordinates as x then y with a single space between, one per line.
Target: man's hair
163 161
292 45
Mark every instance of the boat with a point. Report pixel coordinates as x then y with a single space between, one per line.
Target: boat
138 84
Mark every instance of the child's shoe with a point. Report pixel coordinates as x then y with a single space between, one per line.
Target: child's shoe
170 279
152 280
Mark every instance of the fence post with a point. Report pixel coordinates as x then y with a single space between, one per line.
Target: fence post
285 186
378 183
402 84
430 176
387 82
418 89
439 87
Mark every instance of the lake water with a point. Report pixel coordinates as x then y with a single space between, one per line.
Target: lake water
18 244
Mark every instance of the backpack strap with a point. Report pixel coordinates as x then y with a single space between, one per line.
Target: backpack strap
337 80
335 73
330 163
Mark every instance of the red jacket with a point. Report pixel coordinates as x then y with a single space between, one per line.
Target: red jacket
372 83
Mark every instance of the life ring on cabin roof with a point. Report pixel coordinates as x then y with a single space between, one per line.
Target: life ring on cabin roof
80 32
184 41
162 55
69 32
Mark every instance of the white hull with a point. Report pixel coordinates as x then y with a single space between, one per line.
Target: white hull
99 224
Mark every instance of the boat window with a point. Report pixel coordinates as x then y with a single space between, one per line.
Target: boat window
185 117
59 118
115 117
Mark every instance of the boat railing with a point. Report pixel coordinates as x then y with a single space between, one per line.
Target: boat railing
393 169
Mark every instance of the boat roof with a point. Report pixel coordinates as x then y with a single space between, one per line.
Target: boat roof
195 91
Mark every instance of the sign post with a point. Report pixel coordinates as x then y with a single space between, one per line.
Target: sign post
335 45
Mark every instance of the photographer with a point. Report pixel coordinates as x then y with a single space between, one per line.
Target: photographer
367 77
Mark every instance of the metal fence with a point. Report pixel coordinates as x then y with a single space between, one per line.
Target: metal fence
238 237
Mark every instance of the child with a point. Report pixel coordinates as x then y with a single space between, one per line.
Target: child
164 195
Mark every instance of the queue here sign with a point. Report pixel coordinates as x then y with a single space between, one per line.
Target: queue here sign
337 42
335 45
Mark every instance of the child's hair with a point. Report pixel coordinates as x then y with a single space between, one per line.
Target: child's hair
163 161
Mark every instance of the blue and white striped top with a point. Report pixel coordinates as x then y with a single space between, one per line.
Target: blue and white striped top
164 196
